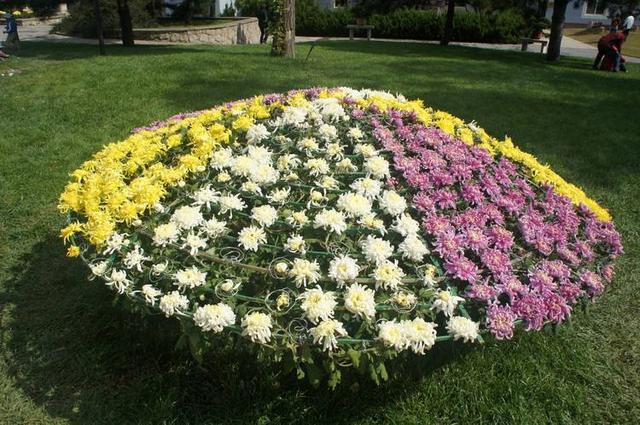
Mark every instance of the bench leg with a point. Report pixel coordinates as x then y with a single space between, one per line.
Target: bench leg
524 46
350 34
541 48
368 35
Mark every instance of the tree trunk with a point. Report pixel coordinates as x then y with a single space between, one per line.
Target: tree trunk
448 23
290 28
557 24
126 26
284 29
98 12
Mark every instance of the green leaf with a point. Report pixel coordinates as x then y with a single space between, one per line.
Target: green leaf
354 355
382 371
314 374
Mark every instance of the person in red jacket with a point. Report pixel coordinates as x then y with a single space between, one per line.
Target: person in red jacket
610 45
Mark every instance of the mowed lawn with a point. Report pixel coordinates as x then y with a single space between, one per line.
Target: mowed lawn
67 355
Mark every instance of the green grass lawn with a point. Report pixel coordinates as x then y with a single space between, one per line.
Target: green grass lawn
68 356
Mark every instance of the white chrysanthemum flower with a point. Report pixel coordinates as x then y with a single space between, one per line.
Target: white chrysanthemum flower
345 166
355 134
308 145
317 304
317 166
377 167
288 162
173 303
205 196
257 133
231 203
463 328
413 249
158 207
257 327
165 234
325 333
279 196
332 111
343 269
294 116
388 275
297 219
393 334
429 275
376 250
260 154
223 177
421 334
331 220
251 187
134 258
215 228
99 269
404 299
194 242
291 177
116 242
392 203
187 217
328 182
370 221
366 150
118 280
446 302
265 215
251 237
264 174
159 268
214 317
334 151
360 300
367 187
221 158
305 272
406 225
189 278
355 205
296 244
328 132
150 294
316 198
242 165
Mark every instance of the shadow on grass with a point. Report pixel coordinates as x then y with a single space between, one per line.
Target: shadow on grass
86 361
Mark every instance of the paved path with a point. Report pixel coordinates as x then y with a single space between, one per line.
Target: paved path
570 47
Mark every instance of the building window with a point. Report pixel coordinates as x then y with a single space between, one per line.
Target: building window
595 7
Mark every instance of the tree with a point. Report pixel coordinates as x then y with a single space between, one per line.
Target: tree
126 24
284 29
98 12
557 25
448 23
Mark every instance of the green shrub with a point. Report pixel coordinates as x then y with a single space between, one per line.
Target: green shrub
408 23
312 20
508 27
81 19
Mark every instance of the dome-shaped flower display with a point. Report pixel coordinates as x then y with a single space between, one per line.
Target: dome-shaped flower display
332 223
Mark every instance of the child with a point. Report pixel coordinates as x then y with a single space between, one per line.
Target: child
13 41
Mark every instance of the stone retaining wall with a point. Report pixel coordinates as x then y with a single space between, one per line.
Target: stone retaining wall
241 31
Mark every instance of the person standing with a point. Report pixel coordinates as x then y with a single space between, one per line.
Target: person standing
263 22
11 29
627 25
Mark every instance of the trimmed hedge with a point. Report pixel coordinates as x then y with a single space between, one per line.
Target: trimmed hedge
503 27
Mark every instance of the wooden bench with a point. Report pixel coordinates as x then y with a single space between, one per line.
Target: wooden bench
527 41
353 28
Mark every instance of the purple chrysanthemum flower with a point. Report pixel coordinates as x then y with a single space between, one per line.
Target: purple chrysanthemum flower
462 268
501 321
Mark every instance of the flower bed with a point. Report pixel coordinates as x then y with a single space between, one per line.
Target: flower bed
334 228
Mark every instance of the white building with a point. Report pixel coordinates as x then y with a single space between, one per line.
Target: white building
587 12
217 6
